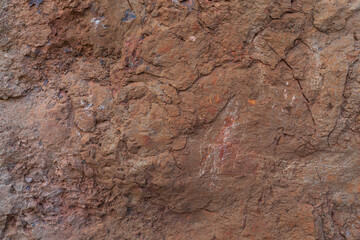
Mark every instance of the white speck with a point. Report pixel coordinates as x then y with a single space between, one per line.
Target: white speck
96 21
285 95
287 83
89 106
292 99
175 1
28 179
101 107
192 38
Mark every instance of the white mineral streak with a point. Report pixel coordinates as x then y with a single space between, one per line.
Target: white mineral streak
215 152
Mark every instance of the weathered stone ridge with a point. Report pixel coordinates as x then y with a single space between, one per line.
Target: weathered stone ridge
179 119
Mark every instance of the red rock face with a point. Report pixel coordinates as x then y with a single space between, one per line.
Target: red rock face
179 119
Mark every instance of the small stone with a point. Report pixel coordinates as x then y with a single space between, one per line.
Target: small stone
28 179
179 143
85 120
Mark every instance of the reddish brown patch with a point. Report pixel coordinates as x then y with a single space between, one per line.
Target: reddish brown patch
215 80
131 51
225 147
217 98
229 121
165 48
146 140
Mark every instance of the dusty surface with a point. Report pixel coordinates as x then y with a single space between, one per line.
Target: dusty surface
183 119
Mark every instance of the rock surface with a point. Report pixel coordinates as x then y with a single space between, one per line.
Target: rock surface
179 119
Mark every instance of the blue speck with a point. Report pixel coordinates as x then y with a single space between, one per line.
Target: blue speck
67 50
46 82
35 2
129 15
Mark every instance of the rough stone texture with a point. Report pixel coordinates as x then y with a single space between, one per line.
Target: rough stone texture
182 119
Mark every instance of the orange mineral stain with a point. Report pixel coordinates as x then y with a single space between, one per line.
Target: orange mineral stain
252 101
